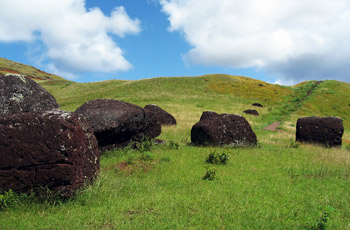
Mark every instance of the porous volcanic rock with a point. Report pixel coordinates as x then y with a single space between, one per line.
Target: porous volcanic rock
251 112
21 94
163 117
257 105
223 129
117 123
207 114
327 131
54 149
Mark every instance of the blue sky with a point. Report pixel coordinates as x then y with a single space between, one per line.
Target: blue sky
274 41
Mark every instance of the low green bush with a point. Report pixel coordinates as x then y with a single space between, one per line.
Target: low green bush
210 174
293 144
11 199
216 158
174 145
323 223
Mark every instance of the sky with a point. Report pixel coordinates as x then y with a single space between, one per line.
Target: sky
277 41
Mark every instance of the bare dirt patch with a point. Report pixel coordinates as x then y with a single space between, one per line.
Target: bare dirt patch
273 126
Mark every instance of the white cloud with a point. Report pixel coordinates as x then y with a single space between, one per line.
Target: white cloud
75 39
299 39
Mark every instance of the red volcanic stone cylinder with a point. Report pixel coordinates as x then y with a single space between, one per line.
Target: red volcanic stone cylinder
222 129
55 150
327 131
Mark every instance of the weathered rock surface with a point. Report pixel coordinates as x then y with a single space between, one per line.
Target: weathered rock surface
21 94
327 131
251 112
257 105
116 123
53 149
207 114
163 117
223 129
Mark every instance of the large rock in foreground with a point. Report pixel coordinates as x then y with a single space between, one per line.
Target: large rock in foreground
163 117
222 129
54 149
21 94
116 123
327 131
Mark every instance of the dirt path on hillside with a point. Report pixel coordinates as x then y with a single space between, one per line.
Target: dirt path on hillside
273 126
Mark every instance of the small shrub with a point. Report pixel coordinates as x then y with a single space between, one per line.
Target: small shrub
210 173
322 224
294 144
145 156
145 145
8 199
130 160
347 147
215 158
11 199
165 159
174 145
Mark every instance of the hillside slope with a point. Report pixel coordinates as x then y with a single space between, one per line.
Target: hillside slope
188 97
7 66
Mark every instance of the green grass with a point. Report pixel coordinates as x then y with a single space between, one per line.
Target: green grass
272 187
276 185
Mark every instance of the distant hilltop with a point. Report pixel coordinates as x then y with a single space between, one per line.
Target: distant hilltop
8 66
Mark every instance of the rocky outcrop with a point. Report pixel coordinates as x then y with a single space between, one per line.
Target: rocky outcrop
327 131
55 150
21 94
251 112
163 117
223 129
116 123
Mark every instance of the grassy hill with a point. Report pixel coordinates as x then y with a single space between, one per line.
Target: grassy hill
7 66
276 185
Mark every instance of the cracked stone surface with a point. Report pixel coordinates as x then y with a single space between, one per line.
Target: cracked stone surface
222 129
21 94
53 149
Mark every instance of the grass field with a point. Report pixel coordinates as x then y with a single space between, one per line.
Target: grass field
275 185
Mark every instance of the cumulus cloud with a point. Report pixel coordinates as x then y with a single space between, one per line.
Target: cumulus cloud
293 39
75 39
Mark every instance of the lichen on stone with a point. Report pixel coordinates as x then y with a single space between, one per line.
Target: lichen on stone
20 76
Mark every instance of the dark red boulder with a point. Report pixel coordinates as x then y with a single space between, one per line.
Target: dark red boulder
21 94
207 114
54 149
163 117
257 105
327 131
251 112
117 123
223 129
